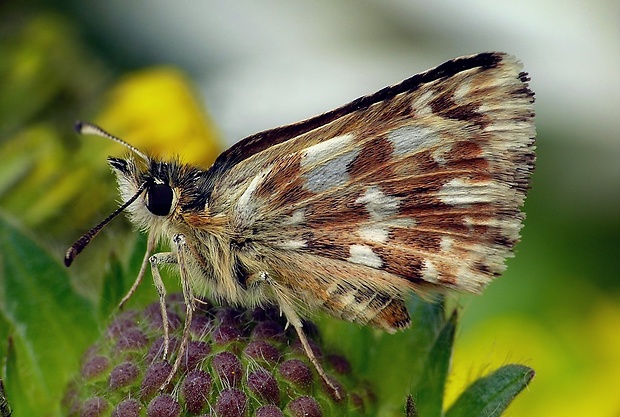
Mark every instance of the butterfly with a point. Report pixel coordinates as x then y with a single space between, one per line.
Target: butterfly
415 188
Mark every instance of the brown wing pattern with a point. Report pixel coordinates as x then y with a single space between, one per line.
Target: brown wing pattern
422 188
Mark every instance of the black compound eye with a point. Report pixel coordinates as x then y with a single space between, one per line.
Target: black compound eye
159 199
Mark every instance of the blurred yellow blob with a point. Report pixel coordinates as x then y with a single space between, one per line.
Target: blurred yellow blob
156 111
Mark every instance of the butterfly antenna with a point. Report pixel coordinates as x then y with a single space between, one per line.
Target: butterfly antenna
81 243
86 128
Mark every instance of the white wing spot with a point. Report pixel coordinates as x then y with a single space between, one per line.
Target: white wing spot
326 163
363 255
459 192
244 204
420 104
375 233
333 173
380 206
410 139
446 244
297 218
292 244
461 91
429 271
322 150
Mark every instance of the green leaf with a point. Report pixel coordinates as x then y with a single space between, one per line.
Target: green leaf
397 361
429 392
5 335
113 288
491 395
394 363
51 324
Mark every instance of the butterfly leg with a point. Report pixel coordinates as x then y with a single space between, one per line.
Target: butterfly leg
188 296
150 246
156 260
293 319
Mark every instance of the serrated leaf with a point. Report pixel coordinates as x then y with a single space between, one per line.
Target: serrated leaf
491 395
51 323
429 392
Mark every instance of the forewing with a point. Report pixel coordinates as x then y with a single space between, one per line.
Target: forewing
419 187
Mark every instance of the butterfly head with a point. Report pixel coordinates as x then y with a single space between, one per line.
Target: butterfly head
158 191
149 188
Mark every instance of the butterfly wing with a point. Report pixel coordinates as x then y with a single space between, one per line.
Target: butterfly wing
417 186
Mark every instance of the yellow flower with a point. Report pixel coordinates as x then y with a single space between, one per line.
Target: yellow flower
156 111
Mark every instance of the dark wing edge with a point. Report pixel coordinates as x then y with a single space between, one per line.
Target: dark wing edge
262 140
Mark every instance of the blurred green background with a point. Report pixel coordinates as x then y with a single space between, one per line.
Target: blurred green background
152 72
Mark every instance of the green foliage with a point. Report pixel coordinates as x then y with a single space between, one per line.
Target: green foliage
410 369
489 396
47 323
